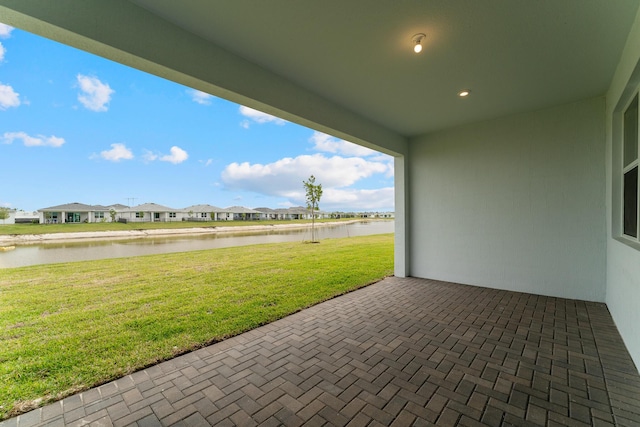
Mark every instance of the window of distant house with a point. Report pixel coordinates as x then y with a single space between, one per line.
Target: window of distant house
630 171
139 214
203 215
172 214
98 215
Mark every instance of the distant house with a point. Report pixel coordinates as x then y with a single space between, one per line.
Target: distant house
318 213
323 214
151 212
203 213
240 213
73 213
341 214
283 214
267 213
376 215
292 213
298 212
368 215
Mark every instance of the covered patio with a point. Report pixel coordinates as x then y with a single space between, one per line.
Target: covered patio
525 191
401 352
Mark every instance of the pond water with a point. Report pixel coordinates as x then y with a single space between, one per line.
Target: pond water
55 252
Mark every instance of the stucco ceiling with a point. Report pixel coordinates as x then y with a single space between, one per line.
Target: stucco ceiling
514 55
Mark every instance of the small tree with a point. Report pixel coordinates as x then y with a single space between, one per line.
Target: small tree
313 194
112 214
4 214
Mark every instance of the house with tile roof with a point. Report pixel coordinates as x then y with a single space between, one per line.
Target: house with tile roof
240 213
151 212
204 212
267 213
74 213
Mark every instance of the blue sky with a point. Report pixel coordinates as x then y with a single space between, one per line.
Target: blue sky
79 128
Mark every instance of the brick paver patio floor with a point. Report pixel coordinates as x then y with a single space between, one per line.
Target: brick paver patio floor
400 352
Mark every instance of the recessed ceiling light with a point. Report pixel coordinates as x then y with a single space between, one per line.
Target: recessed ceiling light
464 93
417 42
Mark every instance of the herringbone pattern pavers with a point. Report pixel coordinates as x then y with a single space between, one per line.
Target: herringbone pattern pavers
401 352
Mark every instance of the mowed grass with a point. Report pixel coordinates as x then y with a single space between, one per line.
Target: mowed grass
67 327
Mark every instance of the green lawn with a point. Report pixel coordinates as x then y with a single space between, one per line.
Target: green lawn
11 229
68 327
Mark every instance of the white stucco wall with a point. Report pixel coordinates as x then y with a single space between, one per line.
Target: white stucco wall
623 261
515 203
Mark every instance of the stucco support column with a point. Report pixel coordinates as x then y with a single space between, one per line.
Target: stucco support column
401 253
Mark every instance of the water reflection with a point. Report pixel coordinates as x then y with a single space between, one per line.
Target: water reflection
55 252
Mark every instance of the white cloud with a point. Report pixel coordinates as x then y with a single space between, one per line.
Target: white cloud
329 144
178 155
391 170
8 97
118 152
149 156
94 95
284 177
258 117
201 98
340 199
32 141
207 162
5 31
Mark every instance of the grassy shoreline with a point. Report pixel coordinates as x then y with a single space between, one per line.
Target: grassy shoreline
68 327
23 229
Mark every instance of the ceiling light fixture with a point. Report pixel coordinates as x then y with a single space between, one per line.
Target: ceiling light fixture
417 42
464 93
